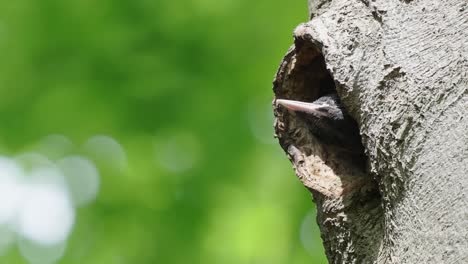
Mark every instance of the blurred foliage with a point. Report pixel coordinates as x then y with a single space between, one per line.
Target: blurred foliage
185 88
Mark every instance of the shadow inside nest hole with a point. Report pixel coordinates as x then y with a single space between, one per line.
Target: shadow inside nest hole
305 78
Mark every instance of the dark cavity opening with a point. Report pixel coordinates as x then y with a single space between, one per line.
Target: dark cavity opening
306 78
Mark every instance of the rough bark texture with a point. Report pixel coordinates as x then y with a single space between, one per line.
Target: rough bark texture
400 68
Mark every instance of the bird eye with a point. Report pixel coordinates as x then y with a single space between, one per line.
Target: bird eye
323 109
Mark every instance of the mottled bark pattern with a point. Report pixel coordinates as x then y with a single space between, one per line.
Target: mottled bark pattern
400 68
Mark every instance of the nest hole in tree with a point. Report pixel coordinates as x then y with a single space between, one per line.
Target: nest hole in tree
303 76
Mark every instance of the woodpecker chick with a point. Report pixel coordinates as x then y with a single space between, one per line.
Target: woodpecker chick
328 121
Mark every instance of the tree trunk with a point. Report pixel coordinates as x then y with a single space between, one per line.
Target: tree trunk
400 69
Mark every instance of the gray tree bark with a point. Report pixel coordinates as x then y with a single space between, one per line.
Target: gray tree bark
400 69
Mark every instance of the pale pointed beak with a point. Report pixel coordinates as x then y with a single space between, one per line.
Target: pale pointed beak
299 106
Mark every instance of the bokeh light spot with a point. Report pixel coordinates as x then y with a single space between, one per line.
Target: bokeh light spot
55 146
46 175
31 161
107 150
179 152
37 253
46 215
10 189
37 210
82 178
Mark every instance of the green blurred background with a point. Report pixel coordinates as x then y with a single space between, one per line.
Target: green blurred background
182 91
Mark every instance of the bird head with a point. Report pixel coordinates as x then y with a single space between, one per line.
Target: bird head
326 107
